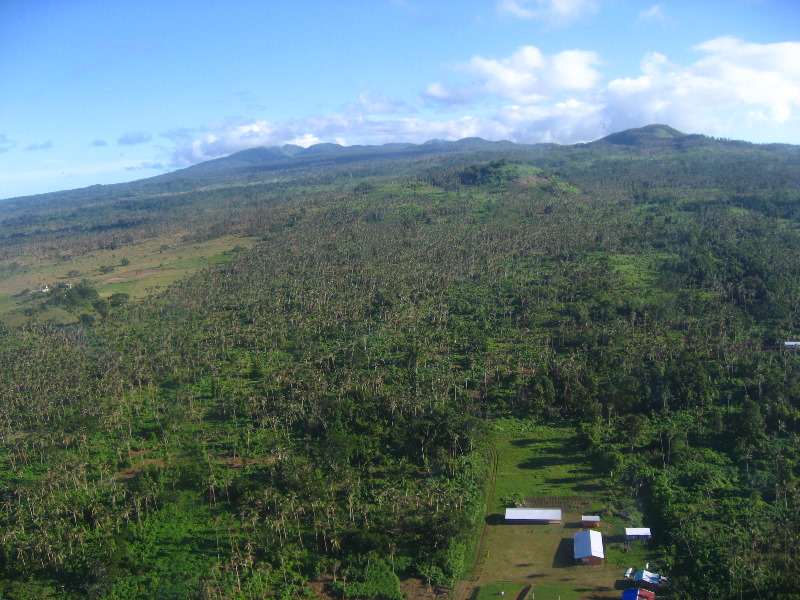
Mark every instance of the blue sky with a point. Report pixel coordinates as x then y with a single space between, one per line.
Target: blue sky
104 91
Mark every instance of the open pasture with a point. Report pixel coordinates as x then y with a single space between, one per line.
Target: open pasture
138 269
543 467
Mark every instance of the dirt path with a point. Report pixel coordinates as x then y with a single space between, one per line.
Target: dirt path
465 588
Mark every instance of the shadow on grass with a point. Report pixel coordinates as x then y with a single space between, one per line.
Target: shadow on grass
591 484
623 584
567 480
564 554
541 462
495 519
524 442
599 592
523 592
584 470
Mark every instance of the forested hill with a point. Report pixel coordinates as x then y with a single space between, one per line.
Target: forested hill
314 408
266 165
263 165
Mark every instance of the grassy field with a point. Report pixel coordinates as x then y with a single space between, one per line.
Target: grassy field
542 467
543 462
139 270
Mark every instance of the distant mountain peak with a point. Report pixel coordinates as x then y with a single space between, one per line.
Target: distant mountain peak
321 148
643 135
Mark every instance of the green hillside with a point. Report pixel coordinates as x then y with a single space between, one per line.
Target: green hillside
305 402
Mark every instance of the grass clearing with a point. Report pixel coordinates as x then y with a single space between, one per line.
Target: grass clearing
542 467
543 462
139 269
501 591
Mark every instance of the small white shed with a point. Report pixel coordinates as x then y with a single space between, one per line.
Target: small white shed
637 533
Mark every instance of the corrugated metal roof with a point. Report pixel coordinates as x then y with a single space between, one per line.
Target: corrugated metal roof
637 531
533 514
588 543
590 518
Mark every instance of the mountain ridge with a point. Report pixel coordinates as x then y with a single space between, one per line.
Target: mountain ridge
268 163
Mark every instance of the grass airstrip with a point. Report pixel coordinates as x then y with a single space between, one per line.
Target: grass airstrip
542 467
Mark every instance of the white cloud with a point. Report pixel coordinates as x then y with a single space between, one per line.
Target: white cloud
305 140
532 97
146 165
226 138
653 14
221 139
763 76
449 95
566 122
528 76
733 79
555 12
572 70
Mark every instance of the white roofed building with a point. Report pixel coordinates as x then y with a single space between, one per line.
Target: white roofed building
633 533
590 521
588 549
548 515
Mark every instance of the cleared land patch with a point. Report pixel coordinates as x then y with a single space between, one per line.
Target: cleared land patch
138 269
544 468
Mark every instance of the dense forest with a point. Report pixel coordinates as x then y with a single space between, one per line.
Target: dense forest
315 408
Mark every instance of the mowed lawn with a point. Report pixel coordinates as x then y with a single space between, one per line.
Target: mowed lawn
543 468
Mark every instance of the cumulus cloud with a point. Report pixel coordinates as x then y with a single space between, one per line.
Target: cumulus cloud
133 137
555 12
763 76
565 122
221 139
527 76
532 97
43 146
734 78
561 97
449 95
99 143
